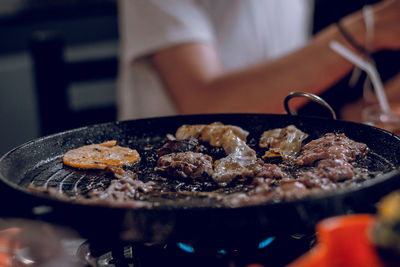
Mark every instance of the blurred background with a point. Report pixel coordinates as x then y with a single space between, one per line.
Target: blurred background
68 50
81 29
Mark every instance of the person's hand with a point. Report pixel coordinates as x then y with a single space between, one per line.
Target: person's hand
387 24
392 88
353 111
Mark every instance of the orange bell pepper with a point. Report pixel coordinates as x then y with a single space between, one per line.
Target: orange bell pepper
342 241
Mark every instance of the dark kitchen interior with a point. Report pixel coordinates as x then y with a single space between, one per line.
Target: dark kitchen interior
77 31
73 45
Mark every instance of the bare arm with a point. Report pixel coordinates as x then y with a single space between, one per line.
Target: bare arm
198 83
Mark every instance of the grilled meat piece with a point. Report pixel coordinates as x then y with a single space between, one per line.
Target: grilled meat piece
291 189
265 192
332 146
101 156
312 180
232 139
121 190
185 165
333 154
126 187
335 169
283 142
240 157
130 178
211 133
175 146
267 170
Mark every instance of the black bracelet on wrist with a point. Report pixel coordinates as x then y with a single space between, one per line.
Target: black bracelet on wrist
350 39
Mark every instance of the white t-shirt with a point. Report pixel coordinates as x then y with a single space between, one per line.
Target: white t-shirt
244 32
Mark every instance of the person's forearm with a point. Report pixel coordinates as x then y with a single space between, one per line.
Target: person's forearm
199 84
262 88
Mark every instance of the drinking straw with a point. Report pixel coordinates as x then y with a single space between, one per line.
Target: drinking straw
369 68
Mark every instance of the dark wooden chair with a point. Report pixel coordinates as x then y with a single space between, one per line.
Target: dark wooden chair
53 77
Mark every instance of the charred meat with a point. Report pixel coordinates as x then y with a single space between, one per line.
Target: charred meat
332 146
210 133
125 188
232 139
175 146
185 165
282 142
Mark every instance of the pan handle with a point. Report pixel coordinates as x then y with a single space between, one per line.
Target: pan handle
311 97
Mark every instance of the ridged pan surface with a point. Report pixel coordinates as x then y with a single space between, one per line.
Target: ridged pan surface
39 163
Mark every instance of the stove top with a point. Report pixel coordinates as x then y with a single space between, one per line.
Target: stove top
35 243
270 251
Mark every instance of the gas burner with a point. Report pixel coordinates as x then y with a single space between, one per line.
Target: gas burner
270 251
121 255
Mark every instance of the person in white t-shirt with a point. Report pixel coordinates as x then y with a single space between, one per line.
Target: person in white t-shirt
212 56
